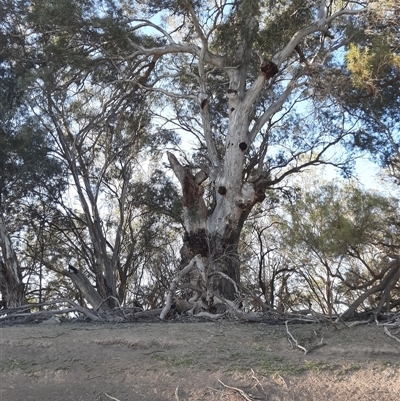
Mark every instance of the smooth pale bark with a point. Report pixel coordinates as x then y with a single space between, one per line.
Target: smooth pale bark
104 266
11 285
87 290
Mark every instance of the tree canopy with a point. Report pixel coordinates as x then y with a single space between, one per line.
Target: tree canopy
144 137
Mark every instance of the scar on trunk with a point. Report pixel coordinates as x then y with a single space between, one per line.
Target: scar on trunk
192 192
197 242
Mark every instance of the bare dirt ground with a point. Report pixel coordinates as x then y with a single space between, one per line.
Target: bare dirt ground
193 361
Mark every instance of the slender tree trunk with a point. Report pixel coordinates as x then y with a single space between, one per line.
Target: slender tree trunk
87 290
102 267
11 285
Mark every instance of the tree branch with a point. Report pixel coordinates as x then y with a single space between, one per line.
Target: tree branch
174 285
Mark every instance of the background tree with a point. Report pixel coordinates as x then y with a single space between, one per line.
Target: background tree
28 172
100 132
367 83
343 244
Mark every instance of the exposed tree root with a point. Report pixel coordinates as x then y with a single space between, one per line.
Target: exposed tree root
174 285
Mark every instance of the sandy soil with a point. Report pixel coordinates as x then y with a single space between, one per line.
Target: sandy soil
192 361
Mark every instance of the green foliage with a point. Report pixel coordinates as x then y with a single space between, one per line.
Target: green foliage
238 31
286 17
26 162
373 63
48 14
370 90
333 220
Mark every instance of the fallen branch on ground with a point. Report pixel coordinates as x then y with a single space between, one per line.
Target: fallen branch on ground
387 332
177 393
304 349
258 383
111 398
21 311
238 390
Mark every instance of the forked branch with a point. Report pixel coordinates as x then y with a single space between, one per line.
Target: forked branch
296 343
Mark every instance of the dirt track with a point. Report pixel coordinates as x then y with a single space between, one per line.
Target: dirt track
171 361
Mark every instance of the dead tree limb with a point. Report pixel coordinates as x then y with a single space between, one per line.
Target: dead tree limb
174 285
111 398
386 284
21 311
387 332
296 343
238 390
177 393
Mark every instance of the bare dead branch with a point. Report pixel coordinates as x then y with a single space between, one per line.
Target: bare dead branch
19 311
177 393
211 316
387 332
238 390
258 383
296 343
174 285
111 398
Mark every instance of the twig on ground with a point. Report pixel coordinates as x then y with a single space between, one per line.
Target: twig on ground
211 316
280 379
177 393
296 343
257 382
111 398
320 344
357 323
387 332
238 390
294 340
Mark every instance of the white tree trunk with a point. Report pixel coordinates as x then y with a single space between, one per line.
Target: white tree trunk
87 290
11 285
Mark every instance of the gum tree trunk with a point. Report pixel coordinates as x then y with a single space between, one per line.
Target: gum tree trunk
11 285
214 236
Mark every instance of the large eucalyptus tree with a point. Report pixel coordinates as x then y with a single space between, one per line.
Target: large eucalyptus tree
235 73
